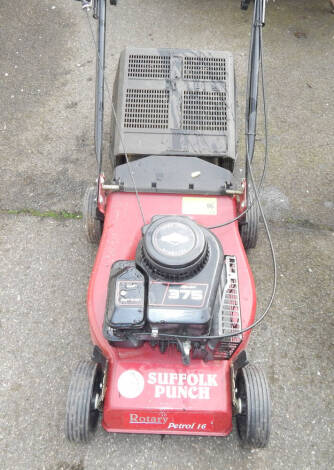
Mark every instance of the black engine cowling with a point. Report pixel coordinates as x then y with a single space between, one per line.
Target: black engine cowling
171 287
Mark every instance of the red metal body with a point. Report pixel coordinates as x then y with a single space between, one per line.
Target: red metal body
150 392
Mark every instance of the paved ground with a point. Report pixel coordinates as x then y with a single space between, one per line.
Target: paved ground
47 160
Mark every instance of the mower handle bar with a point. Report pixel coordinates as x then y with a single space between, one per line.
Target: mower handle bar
99 13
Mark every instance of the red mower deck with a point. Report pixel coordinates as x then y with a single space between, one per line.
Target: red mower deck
150 392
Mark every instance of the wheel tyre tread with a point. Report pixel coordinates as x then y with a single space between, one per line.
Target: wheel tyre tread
92 226
258 408
249 229
77 426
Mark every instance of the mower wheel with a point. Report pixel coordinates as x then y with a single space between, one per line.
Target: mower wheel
254 421
248 227
82 413
92 225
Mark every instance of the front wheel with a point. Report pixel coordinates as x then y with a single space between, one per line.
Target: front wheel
254 420
82 412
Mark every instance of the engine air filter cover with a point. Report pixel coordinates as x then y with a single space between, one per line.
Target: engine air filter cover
174 245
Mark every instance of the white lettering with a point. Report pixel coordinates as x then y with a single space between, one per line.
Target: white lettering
201 382
212 380
182 426
183 392
159 390
134 418
197 295
152 378
192 392
182 386
170 391
185 294
204 393
173 294
182 378
173 378
192 379
163 378
201 426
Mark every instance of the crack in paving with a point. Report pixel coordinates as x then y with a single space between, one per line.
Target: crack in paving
58 215
66 215
302 224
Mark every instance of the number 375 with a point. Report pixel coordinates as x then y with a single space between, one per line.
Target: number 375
185 294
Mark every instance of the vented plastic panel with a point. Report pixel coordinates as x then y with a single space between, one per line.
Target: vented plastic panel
204 111
148 66
173 101
146 109
204 68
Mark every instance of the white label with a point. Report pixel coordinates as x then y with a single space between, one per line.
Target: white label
199 205
130 384
170 385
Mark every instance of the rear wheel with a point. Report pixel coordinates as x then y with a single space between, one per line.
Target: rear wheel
249 225
254 421
92 225
82 412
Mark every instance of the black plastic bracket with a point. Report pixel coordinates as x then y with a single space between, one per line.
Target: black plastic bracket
241 361
184 347
98 357
174 174
99 216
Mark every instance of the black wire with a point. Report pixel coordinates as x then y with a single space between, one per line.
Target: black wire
273 256
257 191
265 160
116 122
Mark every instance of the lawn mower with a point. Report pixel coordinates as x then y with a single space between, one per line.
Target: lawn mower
171 299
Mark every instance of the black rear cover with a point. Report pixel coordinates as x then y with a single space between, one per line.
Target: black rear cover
175 102
172 174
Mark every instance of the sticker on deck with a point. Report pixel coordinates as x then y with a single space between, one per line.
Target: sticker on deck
199 205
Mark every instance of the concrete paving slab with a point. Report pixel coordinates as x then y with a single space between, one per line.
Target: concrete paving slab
44 333
47 160
48 69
